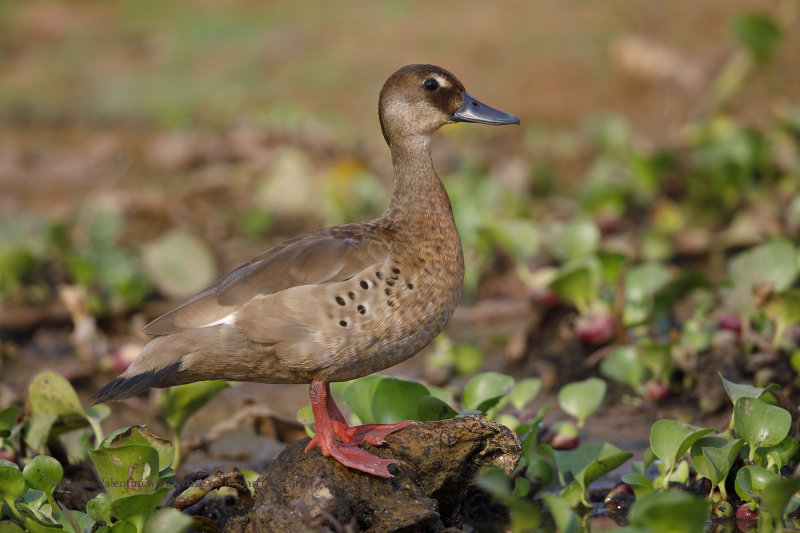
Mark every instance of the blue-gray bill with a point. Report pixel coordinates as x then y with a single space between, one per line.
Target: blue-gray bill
472 110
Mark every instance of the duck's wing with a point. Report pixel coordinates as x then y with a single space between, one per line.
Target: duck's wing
333 254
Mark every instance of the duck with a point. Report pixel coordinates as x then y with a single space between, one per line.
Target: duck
338 303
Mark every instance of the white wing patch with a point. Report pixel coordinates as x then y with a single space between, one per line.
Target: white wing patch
230 319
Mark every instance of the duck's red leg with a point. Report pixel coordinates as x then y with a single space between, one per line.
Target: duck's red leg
330 424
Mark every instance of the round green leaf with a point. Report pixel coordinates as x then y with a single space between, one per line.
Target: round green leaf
43 473
357 395
736 390
670 512
623 366
752 480
432 408
773 262
669 439
51 393
12 484
524 392
573 240
10 527
777 493
582 398
168 519
137 505
99 507
140 435
759 423
179 263
8 418
484 390
395 400
713 456
126 470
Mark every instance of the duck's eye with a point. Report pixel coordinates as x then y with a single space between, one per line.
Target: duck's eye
431 84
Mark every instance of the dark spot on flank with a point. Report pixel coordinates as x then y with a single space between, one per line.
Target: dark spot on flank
361 309
390 282
388 292
342 323
352 295
391 302
410 285
394 276
364 284
396 270
340 300
379 274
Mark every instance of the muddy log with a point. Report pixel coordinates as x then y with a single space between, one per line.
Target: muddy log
432 491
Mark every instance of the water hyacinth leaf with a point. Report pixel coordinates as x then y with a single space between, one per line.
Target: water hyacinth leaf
713 456
751 481
43 473
395 400
784 310
565 519
184 400
640 484
99 507
140 435
517 235
773 262
166 261
136 507
34 525
642 282
122 526
494 481
168 519
582 398
670 512
623 366
484 390
12 484
669 439
594 460
775 457
126 470
777 494
736 390
51 393
8 417
524 392
468 359
577 284
356 395
611 266
573 240
432 408
305 416
759 423
757 33
68 522
38 430
10 527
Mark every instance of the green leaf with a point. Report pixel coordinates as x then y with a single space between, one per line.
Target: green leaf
713 456
751 481
593 460
99 508
43 473
184 400
670 512
432 408
179 263
8 418
51 393
566 520
38 430
573 240
582 398
669 439
623 366
757 33
137 505
774 262
10 527
357 396
12 484
777 493
395 400
494 481
640 484
140 435
736 390
168 519
524 392
759 423
83 521
578 283
784 310
484 390
126 470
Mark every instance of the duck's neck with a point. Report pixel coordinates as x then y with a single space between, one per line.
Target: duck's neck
419 195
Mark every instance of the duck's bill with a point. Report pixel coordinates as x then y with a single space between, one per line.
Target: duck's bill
472 110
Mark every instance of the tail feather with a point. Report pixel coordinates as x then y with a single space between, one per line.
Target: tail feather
127 386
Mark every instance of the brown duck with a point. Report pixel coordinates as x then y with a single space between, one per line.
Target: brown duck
337 303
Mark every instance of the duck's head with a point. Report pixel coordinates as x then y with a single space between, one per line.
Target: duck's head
419 99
